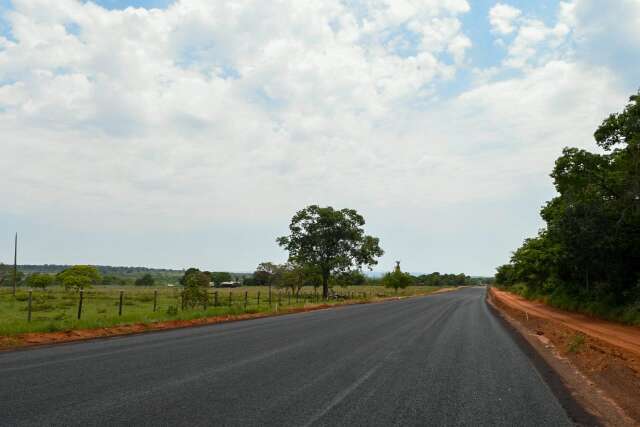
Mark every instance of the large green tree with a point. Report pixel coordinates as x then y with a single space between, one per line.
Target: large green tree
330 240
591 245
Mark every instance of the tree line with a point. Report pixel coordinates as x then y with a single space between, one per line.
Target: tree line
327 248
587 257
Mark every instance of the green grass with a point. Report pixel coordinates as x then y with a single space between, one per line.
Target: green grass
56 309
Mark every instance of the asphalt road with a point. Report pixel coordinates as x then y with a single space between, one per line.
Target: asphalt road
438 360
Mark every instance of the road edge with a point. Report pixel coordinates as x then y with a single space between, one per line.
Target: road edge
584 402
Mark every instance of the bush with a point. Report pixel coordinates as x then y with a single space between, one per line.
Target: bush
146 280
576 343
38 280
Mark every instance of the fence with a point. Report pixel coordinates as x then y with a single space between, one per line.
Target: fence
52 305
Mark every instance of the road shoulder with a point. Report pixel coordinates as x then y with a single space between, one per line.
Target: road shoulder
596 376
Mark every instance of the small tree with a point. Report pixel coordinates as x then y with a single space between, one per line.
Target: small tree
330 240
39 280
146 280
351 278
396 279
264 274
196 285
295 277
79 277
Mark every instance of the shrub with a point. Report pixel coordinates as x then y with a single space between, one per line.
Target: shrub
576 343
146 280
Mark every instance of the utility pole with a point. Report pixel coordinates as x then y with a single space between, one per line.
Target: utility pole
15 264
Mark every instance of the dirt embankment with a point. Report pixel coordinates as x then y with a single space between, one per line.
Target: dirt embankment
606 353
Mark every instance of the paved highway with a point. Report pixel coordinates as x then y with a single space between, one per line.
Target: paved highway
438 360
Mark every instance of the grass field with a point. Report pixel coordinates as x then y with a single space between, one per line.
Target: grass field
57 310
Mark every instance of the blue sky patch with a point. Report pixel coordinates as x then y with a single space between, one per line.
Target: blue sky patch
123 4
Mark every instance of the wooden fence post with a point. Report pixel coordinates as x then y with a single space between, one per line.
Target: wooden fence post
29 315
80 303
258 298
230 291
246 299
215 299
155 300
119 305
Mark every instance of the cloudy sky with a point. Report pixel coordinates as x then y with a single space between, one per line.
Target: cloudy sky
177 133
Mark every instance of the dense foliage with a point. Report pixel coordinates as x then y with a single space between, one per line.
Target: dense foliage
79 277
437 279
397 279
588 256
146 280
196 285
332 241
40 280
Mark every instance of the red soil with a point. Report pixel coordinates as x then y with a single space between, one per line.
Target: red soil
623 336
608 356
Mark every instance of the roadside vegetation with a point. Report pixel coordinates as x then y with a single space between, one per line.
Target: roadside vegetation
56 309
587 258
328 252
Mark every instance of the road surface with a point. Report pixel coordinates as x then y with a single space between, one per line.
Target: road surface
438 360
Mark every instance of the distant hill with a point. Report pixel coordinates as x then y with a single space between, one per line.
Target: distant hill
104 269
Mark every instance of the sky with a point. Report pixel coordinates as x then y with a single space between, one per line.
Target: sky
187 133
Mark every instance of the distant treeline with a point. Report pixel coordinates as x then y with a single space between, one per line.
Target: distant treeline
587 258
267 273
103 269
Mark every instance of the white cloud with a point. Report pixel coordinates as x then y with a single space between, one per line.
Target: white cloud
535 43
240 113
182 100
502 18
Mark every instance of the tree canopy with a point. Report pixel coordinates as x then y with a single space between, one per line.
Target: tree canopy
39 280
79 277
397 279
330 240
590 247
